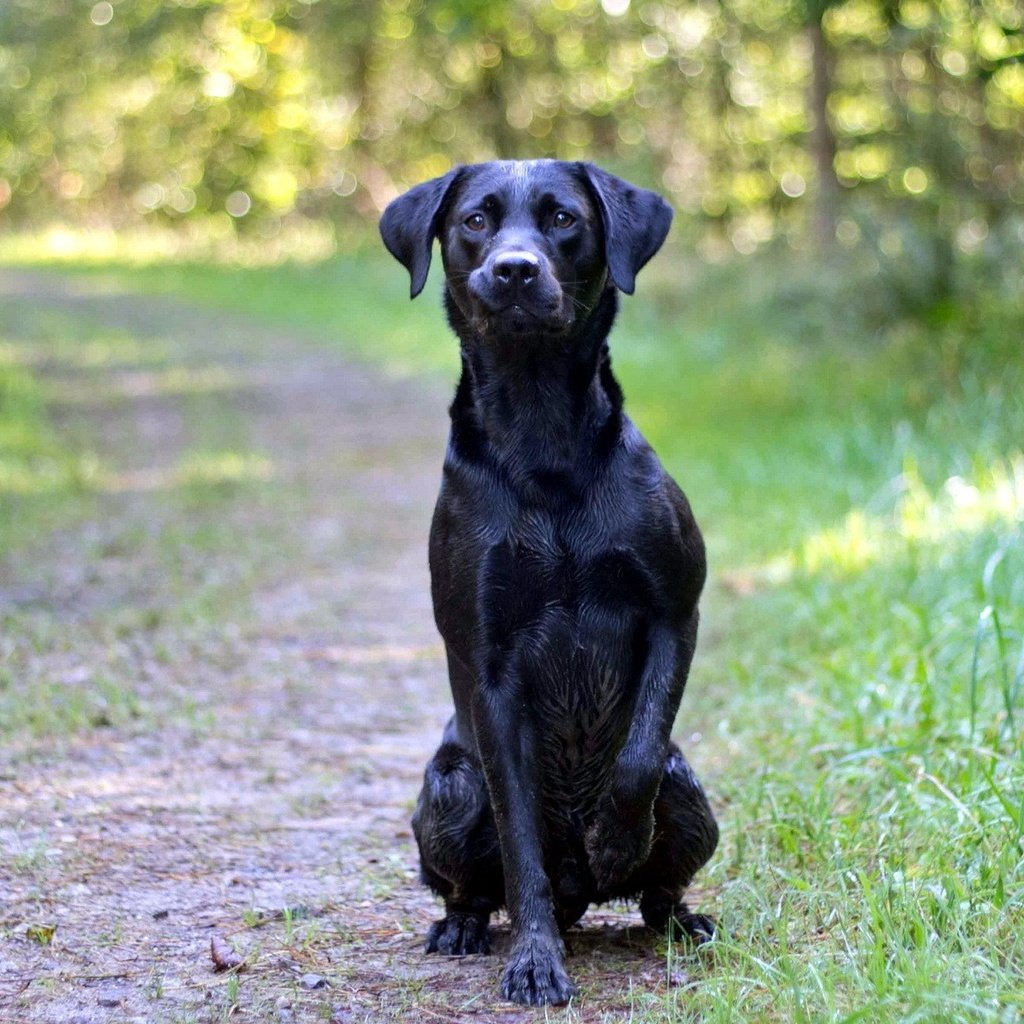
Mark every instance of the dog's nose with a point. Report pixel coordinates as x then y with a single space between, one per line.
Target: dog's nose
517 267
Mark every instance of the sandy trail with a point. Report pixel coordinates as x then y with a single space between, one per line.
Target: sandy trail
232 682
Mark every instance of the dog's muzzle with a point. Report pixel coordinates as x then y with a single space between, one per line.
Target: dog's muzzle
516 292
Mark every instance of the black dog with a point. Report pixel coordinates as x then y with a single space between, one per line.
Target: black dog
566 567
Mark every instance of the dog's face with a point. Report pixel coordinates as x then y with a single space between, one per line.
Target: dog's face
528 246
523 248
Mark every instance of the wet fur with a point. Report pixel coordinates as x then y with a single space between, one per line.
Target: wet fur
566 568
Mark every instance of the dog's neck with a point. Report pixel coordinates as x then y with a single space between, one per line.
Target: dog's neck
538 407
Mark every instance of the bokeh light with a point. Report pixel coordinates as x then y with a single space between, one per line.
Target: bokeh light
761 121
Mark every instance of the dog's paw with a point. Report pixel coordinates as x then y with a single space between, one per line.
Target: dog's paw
676 920
616 850
459 935
698 928
535 976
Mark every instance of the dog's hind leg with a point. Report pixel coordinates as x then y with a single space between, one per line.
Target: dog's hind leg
685 837
460 857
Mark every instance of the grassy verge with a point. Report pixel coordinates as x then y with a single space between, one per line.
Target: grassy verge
38 476
860 688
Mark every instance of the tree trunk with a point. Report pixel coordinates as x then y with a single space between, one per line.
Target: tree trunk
823 141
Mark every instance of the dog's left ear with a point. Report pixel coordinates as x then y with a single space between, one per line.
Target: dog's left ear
409 226
636 223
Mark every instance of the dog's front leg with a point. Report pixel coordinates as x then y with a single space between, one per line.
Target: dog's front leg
535 974
619 839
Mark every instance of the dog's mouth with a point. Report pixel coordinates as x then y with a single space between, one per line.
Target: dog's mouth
518 319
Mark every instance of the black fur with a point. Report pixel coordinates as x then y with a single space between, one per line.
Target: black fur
566 567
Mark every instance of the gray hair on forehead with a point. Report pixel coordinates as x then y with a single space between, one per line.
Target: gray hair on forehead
518 172
518 169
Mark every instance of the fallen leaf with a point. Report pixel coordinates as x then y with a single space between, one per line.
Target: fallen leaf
223 956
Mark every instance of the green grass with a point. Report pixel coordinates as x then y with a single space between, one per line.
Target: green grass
37 474
860 683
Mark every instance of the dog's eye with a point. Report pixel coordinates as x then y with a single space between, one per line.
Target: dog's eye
562 219
476 222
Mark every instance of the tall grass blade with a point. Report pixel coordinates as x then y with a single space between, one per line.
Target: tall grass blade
979 636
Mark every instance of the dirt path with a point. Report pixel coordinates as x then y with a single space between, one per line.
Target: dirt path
226 683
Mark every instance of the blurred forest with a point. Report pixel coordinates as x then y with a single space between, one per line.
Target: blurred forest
894 127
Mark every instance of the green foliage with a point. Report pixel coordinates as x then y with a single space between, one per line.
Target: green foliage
860 688
746 113
877 870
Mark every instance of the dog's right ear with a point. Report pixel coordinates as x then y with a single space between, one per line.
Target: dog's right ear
409 226
636 223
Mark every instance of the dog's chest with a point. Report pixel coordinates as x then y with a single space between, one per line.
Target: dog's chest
537 582
570 624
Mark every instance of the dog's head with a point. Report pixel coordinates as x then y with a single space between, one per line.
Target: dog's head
528 246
